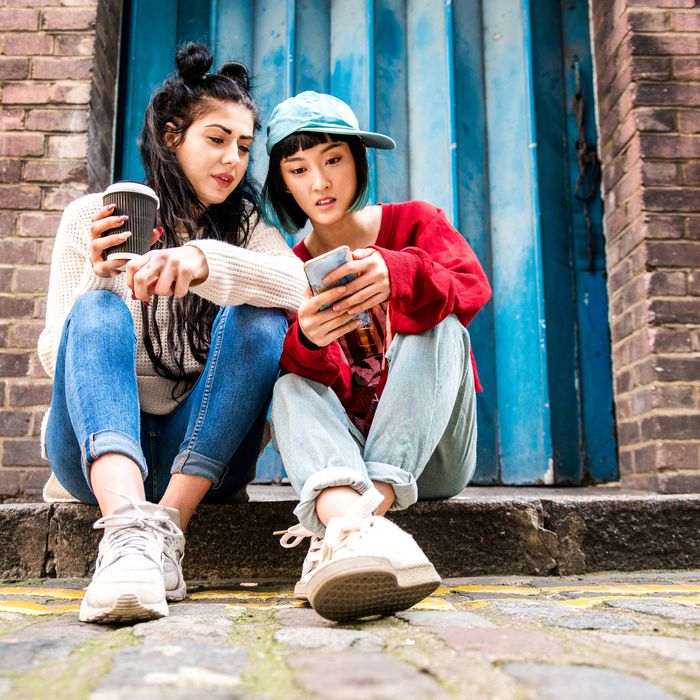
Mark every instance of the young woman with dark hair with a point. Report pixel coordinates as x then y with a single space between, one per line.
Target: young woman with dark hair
162 374
368 418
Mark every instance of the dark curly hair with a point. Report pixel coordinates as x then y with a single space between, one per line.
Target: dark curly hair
174 106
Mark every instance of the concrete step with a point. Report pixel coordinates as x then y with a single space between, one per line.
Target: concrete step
483 531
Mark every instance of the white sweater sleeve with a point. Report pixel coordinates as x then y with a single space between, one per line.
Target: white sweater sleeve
265 273
71 274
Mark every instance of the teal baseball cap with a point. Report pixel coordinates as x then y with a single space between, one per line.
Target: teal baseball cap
318 112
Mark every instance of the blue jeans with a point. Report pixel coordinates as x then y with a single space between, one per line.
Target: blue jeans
422 439
215 432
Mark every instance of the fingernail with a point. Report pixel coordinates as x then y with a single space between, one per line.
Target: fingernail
160 229
111 206
126 234
123 217
133 296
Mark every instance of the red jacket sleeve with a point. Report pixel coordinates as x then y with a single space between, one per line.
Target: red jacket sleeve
325 365
434 275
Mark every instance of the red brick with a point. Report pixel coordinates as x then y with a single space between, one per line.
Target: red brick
75 45
30 393
72 146
689 122
691 173
9 482
26 335
664 94
58 198
27 20
19 197
675 427
10 170
35 368
686 69
25 93
675 368
665 44
686 21
64 68
14 252
55 171
71 93
674 311
648 21
694 283
11 119
652 68
45 252
664 283
693 228
14 423
13 364
6 279
69 18
38 417
660 3
31 3
660 173
13 307
25 44
679 482
32 280
685 199
656 119
665 340
39 224
7 223
22 144
25 453
668 146
14 68
57 119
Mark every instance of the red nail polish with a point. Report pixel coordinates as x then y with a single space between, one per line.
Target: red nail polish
133 296
160 229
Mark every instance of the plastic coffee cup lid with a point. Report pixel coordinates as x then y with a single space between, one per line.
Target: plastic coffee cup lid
136 187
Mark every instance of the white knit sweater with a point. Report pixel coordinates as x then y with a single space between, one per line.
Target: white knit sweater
265 273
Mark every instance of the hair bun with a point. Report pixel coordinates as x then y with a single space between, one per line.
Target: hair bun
237 72
193 61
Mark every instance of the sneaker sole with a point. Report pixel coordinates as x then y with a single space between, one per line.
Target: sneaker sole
362 586
300 590
127 608
177 594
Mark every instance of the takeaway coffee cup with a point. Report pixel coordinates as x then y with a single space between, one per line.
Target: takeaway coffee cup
140 204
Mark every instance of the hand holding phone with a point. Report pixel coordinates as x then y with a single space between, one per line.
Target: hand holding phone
318 268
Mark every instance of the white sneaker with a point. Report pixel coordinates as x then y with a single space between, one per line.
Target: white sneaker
312 559
367 565
128 581
173 554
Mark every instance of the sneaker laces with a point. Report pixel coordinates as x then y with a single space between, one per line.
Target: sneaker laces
132 532
321 549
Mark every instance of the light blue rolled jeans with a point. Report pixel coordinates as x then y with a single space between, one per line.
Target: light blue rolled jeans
422 440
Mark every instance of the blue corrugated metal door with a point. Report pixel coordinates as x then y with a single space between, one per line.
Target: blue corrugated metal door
479 97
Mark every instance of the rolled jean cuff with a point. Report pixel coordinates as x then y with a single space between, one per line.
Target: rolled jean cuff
403 483
106 441
325 479
195 464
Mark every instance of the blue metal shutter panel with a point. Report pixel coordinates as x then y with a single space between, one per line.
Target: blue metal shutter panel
480 110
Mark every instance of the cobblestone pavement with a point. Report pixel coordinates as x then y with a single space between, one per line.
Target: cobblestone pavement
623 636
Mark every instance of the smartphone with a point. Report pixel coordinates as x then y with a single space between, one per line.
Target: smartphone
317 268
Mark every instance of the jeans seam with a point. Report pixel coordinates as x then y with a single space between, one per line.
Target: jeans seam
206 393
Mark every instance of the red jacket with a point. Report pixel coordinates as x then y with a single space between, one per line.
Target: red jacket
433 273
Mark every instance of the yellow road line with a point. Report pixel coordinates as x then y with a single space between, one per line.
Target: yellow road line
28 607
60 593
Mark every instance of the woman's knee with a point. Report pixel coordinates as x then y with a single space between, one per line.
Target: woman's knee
100 310
257 328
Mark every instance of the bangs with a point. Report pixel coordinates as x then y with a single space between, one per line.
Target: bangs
300 141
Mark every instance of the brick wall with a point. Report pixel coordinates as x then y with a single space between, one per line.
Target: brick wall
57 82
648 80
49 106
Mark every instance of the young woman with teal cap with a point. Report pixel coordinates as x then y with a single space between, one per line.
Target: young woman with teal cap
368 419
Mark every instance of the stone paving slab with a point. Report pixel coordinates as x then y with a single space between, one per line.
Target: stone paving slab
491 532
473 638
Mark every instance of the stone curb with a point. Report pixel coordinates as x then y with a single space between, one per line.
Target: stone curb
480 532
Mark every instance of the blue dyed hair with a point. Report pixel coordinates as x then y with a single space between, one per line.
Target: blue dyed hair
278 207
